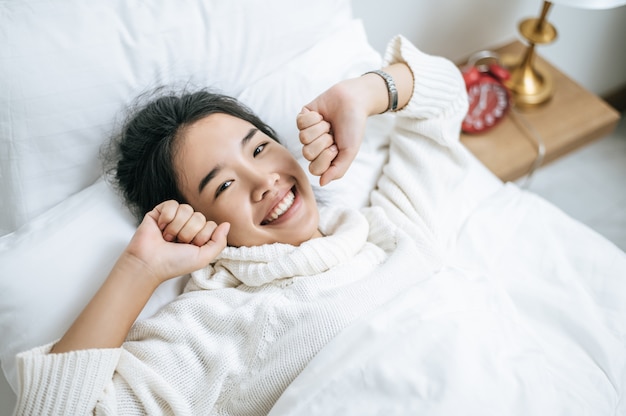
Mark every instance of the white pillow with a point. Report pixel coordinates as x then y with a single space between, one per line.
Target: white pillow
69 66
52 267
52 264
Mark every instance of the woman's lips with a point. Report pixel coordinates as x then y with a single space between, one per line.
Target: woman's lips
281 208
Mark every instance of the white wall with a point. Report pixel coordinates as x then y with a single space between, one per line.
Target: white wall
591 47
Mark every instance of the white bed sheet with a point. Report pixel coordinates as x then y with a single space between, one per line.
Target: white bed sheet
541 330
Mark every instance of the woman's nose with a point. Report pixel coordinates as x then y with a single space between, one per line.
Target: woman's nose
264 185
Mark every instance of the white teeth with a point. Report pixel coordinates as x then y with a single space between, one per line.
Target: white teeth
282 207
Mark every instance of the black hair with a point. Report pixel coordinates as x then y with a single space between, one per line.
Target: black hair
139 158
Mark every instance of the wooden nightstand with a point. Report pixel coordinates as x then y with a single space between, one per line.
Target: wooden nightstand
572 118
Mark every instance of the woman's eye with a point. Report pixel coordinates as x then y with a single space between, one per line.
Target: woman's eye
259 149
222 188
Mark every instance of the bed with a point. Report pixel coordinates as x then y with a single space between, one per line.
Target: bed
540 330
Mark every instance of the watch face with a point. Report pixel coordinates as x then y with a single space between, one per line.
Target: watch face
488 103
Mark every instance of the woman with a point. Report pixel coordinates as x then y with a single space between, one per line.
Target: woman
274 277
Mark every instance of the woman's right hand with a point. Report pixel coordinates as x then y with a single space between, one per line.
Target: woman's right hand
173 240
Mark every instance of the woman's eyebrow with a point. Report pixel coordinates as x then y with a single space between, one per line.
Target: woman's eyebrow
248 136
205 181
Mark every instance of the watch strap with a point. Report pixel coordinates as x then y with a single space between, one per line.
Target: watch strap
391 89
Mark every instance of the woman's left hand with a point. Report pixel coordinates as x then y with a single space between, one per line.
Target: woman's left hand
332 128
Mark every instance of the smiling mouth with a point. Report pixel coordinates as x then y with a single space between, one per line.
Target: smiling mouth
282 207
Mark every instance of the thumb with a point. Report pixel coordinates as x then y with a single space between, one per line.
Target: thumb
338 167
348 136
306 118
216 244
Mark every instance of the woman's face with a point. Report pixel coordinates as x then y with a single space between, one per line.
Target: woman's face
232 172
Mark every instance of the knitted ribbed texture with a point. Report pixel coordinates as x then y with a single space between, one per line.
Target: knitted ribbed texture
428 125
250 323
63 384
256 266
441 101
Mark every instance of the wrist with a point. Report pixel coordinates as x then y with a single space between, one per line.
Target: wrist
107 318
392 91
377 93
139 274
392 86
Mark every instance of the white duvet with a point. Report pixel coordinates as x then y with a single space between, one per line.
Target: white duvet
540 331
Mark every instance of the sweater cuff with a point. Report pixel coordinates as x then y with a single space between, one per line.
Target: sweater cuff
439 100
67 383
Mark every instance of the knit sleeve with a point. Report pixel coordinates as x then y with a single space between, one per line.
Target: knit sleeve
431 183
63 384
439 100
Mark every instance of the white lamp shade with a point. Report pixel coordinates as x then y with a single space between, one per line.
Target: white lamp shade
591 4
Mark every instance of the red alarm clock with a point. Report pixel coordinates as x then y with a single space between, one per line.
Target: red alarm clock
489 99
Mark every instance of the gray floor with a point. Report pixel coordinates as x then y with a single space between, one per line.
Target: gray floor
589 185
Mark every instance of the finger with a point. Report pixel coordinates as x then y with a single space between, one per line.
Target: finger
312 150
338 167
220 234
176 224
205 234
323 161
148 228
306 118
216 243
194 225
164 213
330 175
313 132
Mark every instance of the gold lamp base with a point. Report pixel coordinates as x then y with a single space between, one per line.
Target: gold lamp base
530 84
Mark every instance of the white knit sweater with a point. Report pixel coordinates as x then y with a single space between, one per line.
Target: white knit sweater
249 324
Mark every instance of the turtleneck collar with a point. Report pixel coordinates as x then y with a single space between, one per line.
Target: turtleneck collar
345 232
